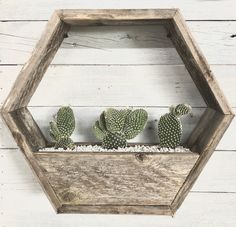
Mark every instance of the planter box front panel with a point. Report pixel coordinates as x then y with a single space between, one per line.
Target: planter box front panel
116 179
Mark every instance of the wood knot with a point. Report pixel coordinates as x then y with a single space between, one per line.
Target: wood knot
140 157
68 196
65 35
18 137
168 35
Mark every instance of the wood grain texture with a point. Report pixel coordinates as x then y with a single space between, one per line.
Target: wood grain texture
197 65
28 127
115 209
23 131
110 86
217 177
89 17
157 79
105 45
206 144
33 71
116 179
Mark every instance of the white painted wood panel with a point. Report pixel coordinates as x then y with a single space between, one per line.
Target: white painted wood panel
228 142
104 45
199 209
117 86
218 174
86 117
225 74
191 9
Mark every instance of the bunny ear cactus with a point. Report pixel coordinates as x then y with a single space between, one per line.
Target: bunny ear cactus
170 127
62 128
115 127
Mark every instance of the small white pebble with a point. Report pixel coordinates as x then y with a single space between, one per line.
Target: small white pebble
136 148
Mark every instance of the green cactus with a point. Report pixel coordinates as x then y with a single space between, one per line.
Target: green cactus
115 127
170 127
62 128
65 143
114 141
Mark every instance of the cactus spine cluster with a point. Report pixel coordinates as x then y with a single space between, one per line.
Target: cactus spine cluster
170 127
62 128
115 127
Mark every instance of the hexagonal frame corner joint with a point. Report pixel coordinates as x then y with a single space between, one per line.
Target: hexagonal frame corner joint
202 140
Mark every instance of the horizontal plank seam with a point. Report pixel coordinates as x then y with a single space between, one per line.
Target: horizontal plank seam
192 191
46 20
117 205
214 192
128 64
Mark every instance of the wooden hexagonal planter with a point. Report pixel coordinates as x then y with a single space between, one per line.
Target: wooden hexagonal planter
153 183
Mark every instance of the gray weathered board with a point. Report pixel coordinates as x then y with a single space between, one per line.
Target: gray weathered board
115 179
172 175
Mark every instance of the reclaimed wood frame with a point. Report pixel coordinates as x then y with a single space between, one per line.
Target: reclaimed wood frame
202 141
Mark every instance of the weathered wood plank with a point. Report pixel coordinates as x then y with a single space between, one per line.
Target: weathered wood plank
114 16
115 209
24 130
217 176
191 9
33 71
197 65
25 121
21 131
115 179
205 145
105 45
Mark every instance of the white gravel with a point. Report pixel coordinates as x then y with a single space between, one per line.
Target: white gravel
136 148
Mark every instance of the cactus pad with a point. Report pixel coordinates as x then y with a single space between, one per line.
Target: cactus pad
170 127
169 131
65 143
135 123
116 126
180 109
114 141
54 132
98 131
115 119
62 128
65 121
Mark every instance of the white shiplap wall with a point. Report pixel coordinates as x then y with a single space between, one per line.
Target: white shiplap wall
212 201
